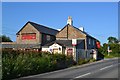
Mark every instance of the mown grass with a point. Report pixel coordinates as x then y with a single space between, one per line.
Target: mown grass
112 55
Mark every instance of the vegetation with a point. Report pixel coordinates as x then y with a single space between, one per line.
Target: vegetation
112 40
4 38
84 61
16 63
113 46
20 63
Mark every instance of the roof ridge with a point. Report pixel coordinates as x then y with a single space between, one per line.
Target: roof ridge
41 25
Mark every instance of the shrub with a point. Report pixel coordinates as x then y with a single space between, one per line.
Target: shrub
20 63
82 61
92 60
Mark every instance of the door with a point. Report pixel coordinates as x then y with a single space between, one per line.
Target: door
55 50
70 52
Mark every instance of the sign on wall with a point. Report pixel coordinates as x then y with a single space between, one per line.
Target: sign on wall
98 44
74 42
28 36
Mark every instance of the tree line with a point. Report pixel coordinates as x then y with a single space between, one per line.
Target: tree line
4 38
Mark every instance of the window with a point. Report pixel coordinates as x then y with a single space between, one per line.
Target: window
48 37
89 41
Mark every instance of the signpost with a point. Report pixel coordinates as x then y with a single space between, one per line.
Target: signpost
74 43
108 50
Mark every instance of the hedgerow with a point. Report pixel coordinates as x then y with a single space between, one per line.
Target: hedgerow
16 63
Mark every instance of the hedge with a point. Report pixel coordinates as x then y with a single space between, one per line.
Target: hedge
114 47
16 64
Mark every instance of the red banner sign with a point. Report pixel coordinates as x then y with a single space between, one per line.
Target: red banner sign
98 44
28 36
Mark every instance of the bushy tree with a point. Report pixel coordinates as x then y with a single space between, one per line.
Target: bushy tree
4 38
112 40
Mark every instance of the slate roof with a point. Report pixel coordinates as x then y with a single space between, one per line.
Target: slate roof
85 33
41 28
79 30
63 43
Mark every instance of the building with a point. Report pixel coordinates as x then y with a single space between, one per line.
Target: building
70 40
63 46
80 43
32 36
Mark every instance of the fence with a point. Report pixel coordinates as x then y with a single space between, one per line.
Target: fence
84 54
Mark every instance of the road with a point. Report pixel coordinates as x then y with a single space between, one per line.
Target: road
105 69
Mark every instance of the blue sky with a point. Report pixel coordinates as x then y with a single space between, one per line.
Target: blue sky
99 19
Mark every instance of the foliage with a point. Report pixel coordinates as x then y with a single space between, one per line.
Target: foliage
111 55
84 61
112 40
100 55
115 50
4 38
92 60
20 63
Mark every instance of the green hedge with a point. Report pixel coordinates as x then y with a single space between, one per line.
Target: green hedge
20 63
115 50
84 61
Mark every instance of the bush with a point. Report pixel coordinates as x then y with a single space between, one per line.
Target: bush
115 50
82 61
20 63
92 60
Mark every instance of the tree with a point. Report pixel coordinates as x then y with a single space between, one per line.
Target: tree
112 40
4 38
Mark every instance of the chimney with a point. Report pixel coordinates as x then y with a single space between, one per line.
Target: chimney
58 29
81 28
69 21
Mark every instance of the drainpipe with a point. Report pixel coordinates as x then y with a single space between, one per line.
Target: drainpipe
85 47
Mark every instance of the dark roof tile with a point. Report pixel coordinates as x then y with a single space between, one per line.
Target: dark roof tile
64 43
41 28
44 29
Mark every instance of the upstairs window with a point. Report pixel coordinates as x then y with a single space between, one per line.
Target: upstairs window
48 37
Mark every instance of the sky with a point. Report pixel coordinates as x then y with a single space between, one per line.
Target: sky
99 19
